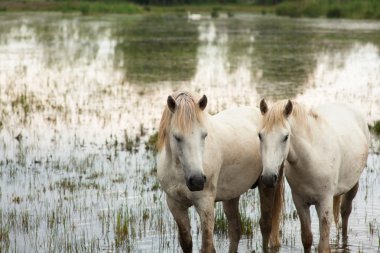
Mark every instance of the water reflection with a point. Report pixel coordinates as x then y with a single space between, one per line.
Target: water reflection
156 49
350 76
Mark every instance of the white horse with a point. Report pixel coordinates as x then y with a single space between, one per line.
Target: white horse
325 150
203 159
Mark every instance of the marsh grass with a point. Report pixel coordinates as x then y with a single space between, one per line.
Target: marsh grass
376 128
4 234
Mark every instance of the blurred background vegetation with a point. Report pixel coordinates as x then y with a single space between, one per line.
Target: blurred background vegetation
356 9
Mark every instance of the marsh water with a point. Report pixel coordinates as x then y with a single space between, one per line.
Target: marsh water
81 96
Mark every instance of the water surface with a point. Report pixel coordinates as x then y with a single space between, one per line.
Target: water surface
81 95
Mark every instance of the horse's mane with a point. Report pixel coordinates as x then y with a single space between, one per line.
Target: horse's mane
187 112
275 115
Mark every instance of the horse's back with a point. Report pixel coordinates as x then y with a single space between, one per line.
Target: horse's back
237 130
346 120
351 133
239 116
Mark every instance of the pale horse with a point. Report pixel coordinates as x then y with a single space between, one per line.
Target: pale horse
205 158
324 152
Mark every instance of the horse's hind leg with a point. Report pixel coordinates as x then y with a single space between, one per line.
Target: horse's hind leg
181 216
346 207
231 209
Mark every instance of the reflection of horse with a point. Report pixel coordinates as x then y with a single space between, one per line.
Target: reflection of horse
203 159
326 151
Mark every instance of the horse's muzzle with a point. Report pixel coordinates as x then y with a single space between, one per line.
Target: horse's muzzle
196 182
269 180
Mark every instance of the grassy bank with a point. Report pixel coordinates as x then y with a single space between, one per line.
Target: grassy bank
94 7
210 8
353 9
72 6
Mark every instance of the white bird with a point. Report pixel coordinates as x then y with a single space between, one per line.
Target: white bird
193 16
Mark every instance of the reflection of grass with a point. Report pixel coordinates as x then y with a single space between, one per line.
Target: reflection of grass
157 48
358 9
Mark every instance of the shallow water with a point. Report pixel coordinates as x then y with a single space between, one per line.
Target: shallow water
80 96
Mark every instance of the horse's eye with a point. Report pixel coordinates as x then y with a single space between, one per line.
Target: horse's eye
286 137
177 138
260 137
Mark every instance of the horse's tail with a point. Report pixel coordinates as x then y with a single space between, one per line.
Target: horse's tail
275 240
336 208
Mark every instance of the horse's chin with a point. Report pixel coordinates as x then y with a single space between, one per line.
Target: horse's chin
195 188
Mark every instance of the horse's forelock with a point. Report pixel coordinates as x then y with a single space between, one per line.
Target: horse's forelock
275 115
186 114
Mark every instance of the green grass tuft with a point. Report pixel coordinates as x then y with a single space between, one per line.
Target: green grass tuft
376 128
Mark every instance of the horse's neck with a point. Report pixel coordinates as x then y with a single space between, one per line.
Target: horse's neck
301 142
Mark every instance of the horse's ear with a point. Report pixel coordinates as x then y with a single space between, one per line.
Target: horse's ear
263 106
172 105
288 108
202 103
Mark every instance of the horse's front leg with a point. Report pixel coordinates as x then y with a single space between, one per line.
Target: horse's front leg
303 210
266 205
181 216
325 215
231 209
205 209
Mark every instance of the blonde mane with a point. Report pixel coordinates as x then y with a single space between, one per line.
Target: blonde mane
276 116
186 114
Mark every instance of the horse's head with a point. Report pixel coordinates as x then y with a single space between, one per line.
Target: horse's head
274 139
185 133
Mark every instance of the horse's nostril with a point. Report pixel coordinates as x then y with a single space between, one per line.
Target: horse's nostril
204 178
191 181
274 178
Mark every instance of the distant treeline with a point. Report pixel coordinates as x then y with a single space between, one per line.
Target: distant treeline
354 9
